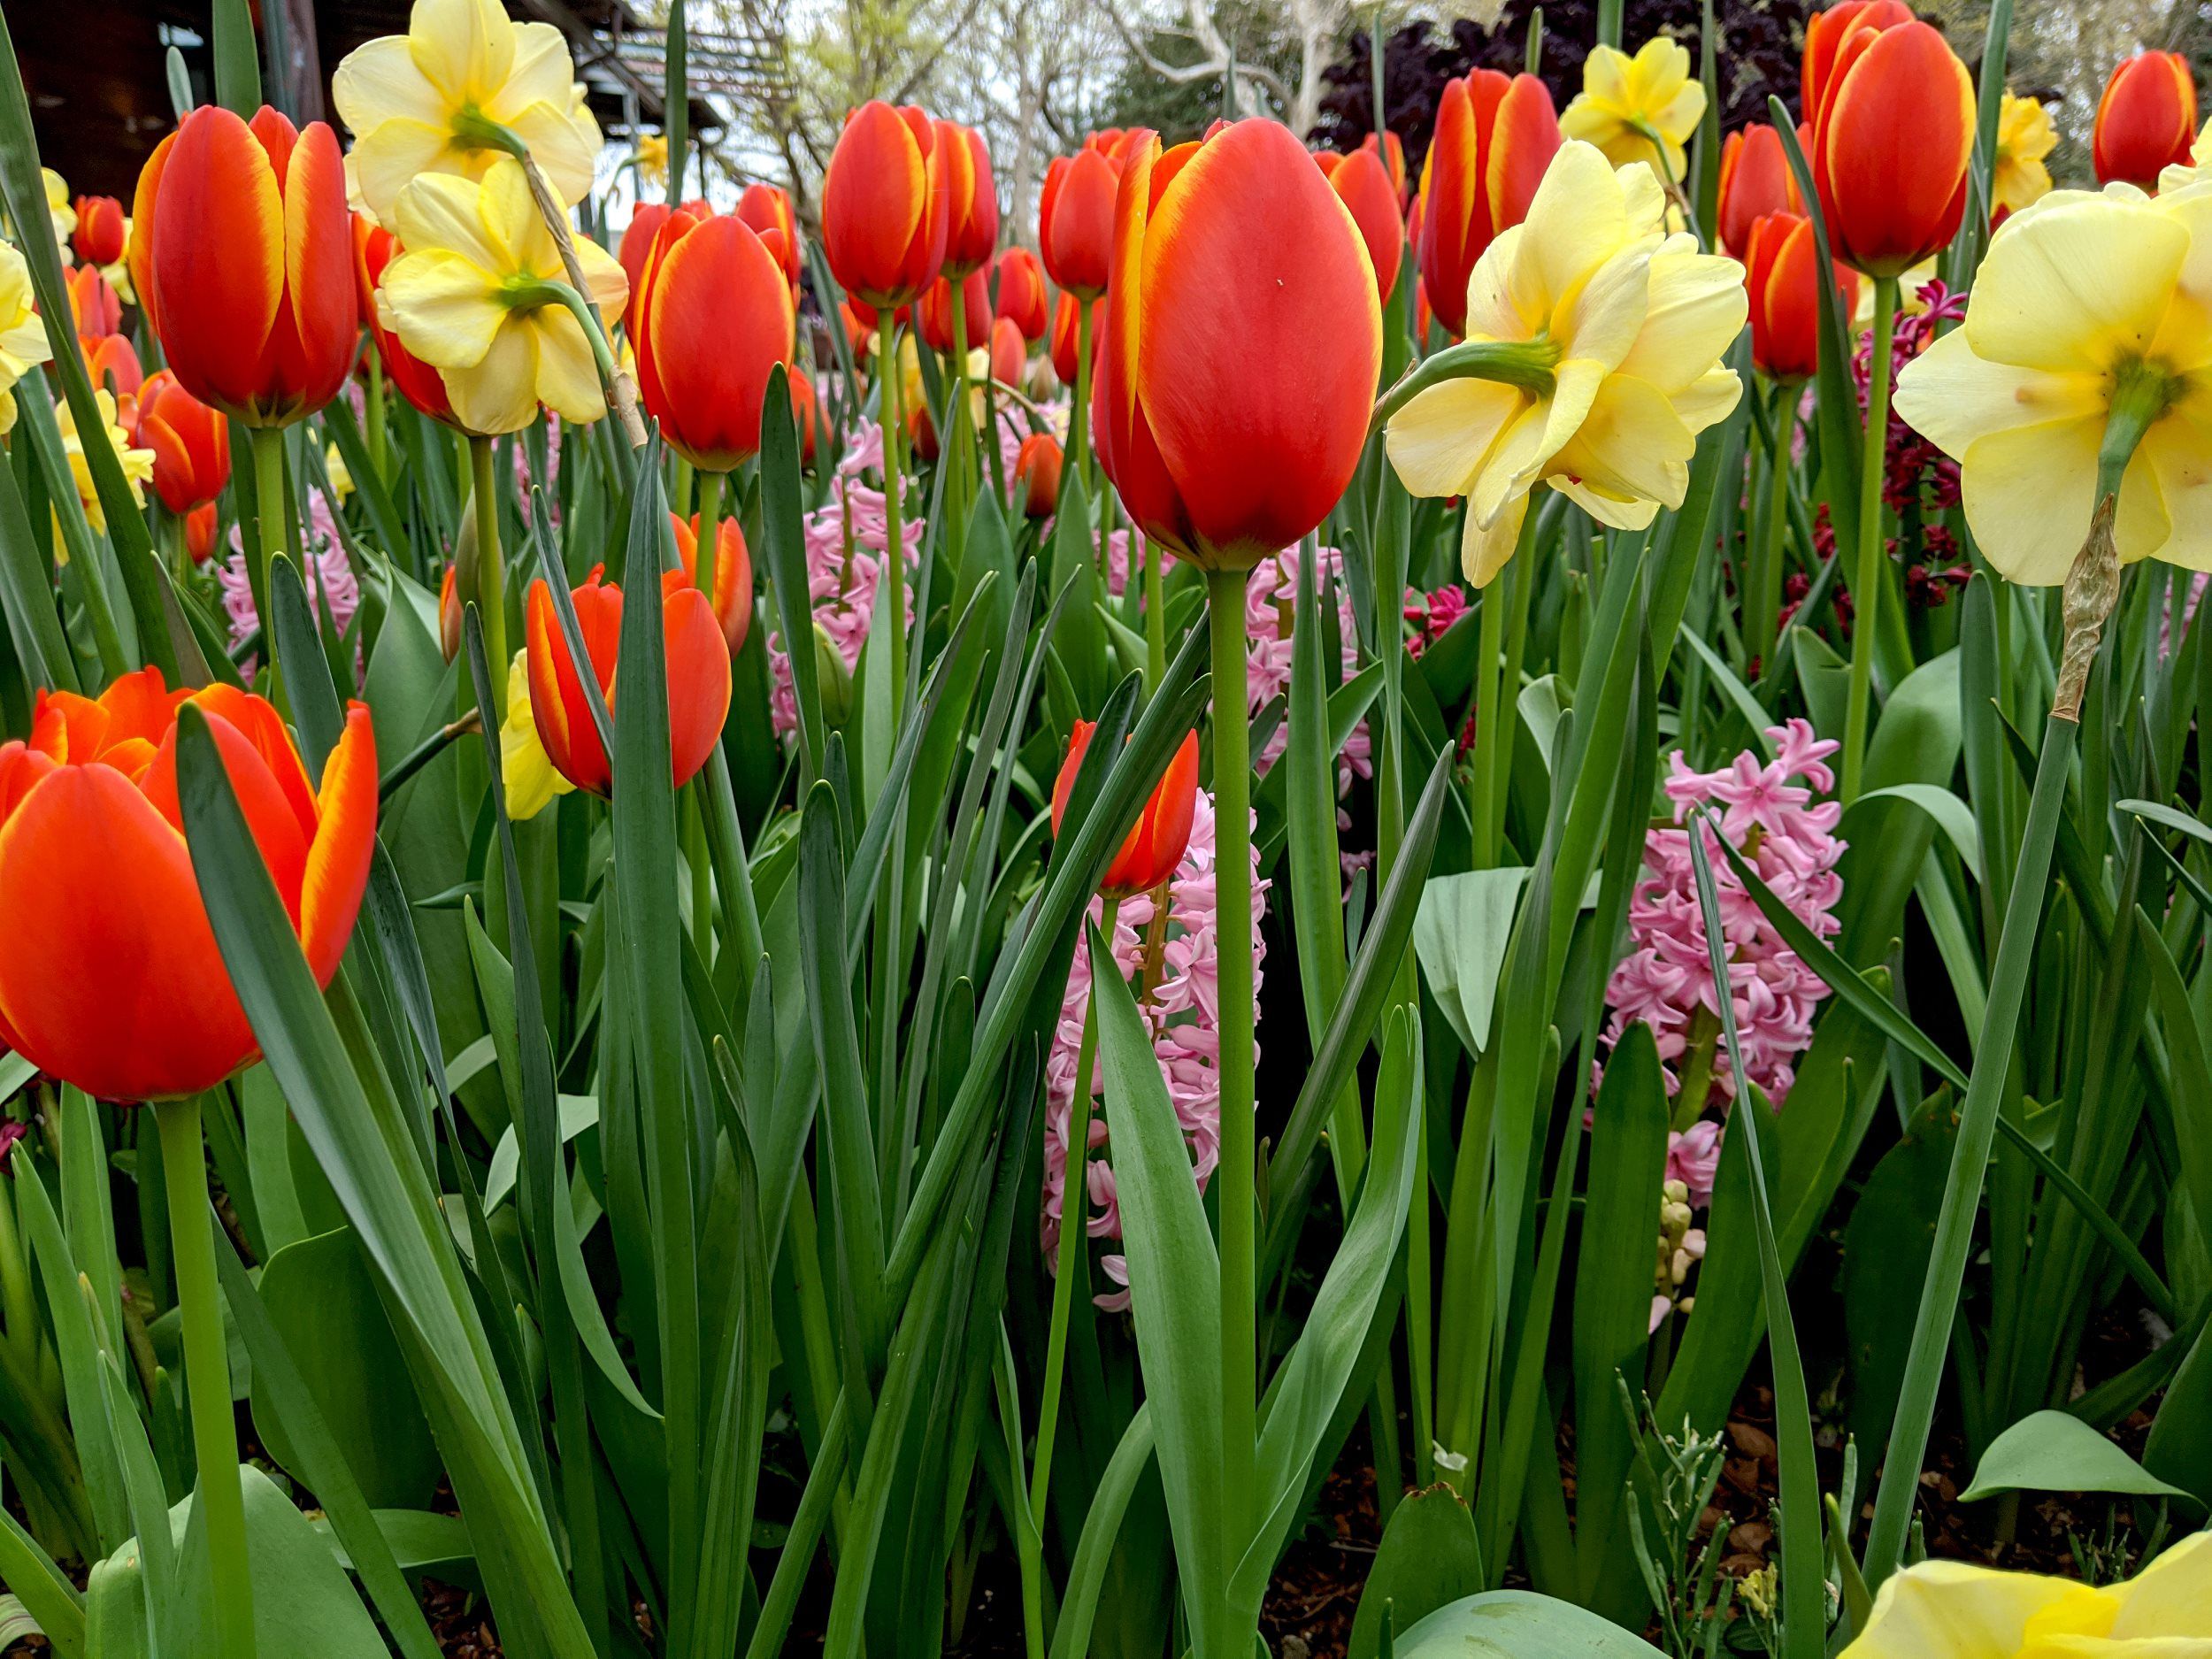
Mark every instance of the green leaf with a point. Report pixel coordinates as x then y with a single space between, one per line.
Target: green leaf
1460 933
2051 1451
2180 1445
1518 1625
45 1591
322 1303
1886 1246
1102 1524
1429 1559
237 60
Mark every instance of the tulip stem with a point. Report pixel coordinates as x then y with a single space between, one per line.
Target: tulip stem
895 537
376 415
268 486
709 545
1154 615
1080 416
1866 581
1069 1264
207 1367
1766 593
490 595
1232 877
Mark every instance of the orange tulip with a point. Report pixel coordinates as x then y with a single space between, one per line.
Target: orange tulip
1366 190
921 433
110 361
711 318
110 977
1065 337
450 614
2147 121
1393 157
101 233
1755 180
858 319
421 385
190 441
637 241
1424 319
733 574
1009 352
698 686
239 251
1021 292
807 414
768 211
1892 129
93 302
933 313
1156 841
1781 272
885 210
1495 135
1075 221
971 227
199 531
1243 338
1037 474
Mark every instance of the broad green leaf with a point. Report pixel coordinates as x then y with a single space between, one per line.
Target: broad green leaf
1517 1624
1460 933
1429 1558
2053 1451
1885 1245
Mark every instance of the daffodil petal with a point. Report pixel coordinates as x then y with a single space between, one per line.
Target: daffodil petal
567 377
2026 496
1950 397
1442 436
1482 552
445 307
2075 286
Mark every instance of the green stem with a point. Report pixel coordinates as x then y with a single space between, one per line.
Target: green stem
491 579
1080 418
1866 582
894 545
1154 615
1233 1179
269 511
1074 1199
376 451
710 546
207 1367
1766 596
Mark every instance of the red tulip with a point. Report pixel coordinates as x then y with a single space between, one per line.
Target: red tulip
1037 474
768 211
885 210
101 233
1365 189
921 433
1009 352
733 574
637 240
110 361
190 441
933 313
1075 221
1393 157
450 614
712 317
1755 180
2147 121
1424 319
1781 272
1243 339
421 385
110 977
859 320
972 227
698 683
1021 292
1065 337
806 412
199 531
1892 132
93 302
1495 135
1156 841
241 252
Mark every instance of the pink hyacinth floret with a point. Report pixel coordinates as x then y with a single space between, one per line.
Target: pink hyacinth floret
1182 1014
845 538
1768 812
329 575
1270 602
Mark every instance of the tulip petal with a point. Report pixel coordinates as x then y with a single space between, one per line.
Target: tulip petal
218 256
699 682
337 868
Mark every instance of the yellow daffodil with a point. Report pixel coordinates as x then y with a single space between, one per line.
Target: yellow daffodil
2025 137
58 210
475 293
340 474
434 100
2087 306
1961 1611
23 344
138 465
652 157
1624 326
529 774
1638 108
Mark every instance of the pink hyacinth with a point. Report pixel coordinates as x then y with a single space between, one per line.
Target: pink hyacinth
1181 1006
1270 602
329 575
1767 811
846 538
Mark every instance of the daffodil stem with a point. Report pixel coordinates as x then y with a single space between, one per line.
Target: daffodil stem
1069 1279
1527 364
491 579
1866 580
207 1370
269 510
895 537
1232 875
